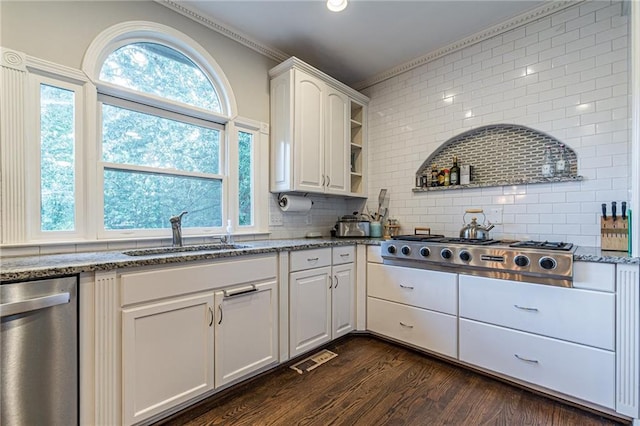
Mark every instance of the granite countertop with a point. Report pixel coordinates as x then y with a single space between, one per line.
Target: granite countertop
45 266
595 254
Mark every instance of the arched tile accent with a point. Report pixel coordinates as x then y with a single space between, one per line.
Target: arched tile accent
501 154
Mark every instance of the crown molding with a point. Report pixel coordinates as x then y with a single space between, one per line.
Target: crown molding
233 34
552 6
515 22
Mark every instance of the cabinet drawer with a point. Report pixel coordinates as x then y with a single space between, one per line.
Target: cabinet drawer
162 282
346 254
418 327
433 290
581 316
308 259
576 370
594 276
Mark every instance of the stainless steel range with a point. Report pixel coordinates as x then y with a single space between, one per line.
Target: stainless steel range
539 262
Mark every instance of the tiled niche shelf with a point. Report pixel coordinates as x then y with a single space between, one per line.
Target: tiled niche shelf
501 155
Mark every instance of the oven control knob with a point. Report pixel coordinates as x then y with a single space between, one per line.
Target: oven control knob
391 249
548 263
446 254
465 256
521 260
425 252
406 250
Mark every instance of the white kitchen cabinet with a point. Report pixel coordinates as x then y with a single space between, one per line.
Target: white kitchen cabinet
246 330
343 293
167 354
309 309
322 298
317 132
562 339
414 306
576 315
172 318
580 371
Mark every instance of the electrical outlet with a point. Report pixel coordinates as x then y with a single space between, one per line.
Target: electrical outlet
276 219
309 219
494 216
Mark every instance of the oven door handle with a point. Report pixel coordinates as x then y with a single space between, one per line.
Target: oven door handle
37 303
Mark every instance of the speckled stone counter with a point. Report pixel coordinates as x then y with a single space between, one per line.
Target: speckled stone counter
36 267
595 254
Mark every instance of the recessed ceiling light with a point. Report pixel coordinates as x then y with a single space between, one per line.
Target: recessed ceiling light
336 5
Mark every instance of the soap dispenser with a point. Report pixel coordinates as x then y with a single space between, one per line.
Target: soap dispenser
229 232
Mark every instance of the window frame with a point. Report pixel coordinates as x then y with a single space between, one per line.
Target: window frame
33 160
145 32
23 221
101 165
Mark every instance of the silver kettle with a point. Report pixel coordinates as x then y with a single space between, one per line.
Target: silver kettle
473 230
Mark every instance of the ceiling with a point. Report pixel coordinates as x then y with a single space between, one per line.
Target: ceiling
368 38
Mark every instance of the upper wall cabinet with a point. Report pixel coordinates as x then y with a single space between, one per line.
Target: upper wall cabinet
318 128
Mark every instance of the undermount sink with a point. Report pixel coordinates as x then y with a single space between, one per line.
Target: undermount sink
168 250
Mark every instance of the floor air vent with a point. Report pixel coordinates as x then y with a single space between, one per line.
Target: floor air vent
313 361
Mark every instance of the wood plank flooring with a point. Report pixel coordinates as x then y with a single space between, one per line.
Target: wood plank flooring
373 382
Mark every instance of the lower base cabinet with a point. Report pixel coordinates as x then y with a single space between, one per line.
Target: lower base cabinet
167 354
246 334
187 331
581 371
418 327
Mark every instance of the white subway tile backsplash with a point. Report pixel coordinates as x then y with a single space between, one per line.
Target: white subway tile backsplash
566 75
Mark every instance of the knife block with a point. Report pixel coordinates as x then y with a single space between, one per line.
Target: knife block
614 234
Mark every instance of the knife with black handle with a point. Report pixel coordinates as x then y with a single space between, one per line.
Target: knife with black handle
624 210
604 211
613 210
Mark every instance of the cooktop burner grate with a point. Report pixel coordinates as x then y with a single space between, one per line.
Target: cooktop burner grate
547 245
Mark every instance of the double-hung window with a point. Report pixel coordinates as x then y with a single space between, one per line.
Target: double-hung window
162 151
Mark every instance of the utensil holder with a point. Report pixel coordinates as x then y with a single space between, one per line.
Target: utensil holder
614 234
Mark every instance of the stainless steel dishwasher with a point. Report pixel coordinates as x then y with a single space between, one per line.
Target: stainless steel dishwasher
39 352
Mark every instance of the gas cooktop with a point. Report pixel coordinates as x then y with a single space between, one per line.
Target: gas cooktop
542 262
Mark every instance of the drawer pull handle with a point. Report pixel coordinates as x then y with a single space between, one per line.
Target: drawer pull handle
524 308
405 325
312 259
531 361
408 287
344 255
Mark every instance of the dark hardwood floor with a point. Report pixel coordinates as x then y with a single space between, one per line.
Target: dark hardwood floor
373 382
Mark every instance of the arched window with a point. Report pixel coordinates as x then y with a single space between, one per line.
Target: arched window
159 70
162 107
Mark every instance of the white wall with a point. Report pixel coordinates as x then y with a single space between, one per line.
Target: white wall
566 75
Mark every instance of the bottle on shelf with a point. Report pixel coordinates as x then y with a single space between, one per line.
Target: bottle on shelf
454 173
441 178
562 162
548 166
434 175
447 177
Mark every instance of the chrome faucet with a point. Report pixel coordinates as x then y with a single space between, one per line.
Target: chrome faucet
176 227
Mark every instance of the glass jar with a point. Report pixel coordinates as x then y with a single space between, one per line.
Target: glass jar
375 229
